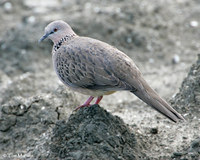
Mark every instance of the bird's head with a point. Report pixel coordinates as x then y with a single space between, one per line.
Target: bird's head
56 30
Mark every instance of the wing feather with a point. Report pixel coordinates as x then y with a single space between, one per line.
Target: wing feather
92 64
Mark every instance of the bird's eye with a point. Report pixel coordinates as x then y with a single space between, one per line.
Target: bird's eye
55 30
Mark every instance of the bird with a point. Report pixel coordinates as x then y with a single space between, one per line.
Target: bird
95 68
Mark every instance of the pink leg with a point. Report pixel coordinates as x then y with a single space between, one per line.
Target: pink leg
98 99
87 103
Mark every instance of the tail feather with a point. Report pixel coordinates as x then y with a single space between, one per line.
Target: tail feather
149 96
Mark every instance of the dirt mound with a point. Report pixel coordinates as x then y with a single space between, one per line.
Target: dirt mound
93 133
188 98
25 114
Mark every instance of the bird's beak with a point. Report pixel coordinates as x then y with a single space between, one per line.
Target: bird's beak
43 37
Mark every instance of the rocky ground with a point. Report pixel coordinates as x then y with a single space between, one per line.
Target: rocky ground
36 118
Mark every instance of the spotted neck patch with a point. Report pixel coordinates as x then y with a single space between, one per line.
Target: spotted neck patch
62 40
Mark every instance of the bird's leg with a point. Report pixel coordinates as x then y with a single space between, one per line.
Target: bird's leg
98 99
87 103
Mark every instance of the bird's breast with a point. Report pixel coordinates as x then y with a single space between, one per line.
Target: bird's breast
62 67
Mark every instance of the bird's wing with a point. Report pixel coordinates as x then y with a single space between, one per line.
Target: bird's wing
92 64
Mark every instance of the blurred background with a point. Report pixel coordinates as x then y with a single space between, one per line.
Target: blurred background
161 36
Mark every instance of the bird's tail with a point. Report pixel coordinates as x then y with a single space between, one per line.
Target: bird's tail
149 96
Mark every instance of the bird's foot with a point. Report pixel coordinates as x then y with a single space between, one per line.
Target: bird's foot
81 106
86 104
